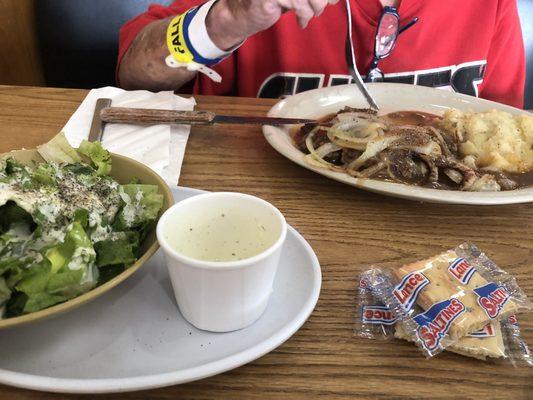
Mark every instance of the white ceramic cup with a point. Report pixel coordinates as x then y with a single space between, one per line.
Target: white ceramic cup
222 251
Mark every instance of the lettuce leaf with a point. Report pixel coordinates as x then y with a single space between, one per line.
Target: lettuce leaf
66 271
44 174
14 171
142 204
13 167
59 150
75 251
11 264
44 288
113 252
41 300
17 270
100 157
81 215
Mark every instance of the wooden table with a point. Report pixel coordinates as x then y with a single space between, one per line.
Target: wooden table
349 230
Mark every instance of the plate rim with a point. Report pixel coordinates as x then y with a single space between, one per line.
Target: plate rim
146 382
413 193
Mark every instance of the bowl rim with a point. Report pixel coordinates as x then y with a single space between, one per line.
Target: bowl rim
98 290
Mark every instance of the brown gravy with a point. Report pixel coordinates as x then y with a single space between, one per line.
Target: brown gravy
418 118
523 179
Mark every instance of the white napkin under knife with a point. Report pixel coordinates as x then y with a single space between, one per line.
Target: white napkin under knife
161 147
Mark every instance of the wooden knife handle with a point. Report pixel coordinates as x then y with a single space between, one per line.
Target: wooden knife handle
145 116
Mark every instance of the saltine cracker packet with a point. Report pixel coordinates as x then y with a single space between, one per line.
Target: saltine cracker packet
496 341
446 297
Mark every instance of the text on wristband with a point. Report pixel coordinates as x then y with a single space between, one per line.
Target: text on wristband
176 40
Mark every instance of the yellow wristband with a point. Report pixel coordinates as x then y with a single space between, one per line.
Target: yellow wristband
176 41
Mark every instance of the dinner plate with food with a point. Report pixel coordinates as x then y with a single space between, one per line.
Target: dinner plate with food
423 144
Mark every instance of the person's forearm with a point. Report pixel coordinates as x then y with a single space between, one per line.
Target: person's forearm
228 23
143 66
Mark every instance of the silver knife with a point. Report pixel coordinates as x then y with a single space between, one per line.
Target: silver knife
145 116
97 126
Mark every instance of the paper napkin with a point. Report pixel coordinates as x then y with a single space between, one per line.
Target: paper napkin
161 147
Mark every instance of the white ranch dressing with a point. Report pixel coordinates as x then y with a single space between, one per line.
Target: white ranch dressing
221 234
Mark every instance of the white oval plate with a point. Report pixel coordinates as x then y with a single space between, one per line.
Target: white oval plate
134 338
390 97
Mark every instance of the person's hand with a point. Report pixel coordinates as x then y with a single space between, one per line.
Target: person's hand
231 21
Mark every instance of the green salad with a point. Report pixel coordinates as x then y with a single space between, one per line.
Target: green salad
66 225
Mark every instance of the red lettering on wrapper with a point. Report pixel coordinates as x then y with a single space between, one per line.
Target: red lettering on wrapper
492 298
406 292
378 315
436 321
461 270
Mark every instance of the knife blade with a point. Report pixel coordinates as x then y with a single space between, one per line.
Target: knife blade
229 119
144 116
97 125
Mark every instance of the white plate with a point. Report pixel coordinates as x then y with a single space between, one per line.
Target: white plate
390 97
134 338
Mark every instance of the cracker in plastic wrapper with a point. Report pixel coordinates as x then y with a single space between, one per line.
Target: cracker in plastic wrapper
446 297
497 341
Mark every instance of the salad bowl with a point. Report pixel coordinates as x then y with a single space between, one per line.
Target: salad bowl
124 170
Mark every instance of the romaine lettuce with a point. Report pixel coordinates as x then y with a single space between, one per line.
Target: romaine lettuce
141 206
59 150
75 251
45 174
99 156
66 271
13 167
113 252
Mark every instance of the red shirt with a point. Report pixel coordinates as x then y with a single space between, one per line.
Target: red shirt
471 46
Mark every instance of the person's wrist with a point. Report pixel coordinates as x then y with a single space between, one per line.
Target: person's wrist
222 27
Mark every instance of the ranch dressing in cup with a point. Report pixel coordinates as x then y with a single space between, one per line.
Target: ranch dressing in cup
222 251
225 233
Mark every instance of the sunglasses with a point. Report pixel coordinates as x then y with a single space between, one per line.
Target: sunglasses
387 33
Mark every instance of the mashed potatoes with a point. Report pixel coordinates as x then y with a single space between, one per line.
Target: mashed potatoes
495 139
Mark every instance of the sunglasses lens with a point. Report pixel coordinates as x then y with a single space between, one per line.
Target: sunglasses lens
386 34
